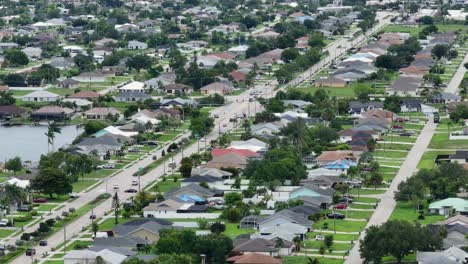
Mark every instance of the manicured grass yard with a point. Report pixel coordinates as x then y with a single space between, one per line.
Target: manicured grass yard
77 244
387 169
331 91
109 223
232 231
341 225
6 232
428 159
414 31
82 185
362 206
341 237
357 214
336 246
365 200
355 191
46 207
397 138
166 185
100 173
406 211
441 141
391 154
394 146
54 262
303 259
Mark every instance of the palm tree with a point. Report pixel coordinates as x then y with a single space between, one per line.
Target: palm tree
313 261
116 207
13 196
52 129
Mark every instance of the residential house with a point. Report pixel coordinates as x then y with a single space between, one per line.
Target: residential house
341 165
212 181
131 97
452 255
32 52
86 95
322 172
445 98
254 258
193 189
410 105
449 206
405 86
357 107
40 96
10 111
323 182
324 196
252 144
80 104
136 45
262 246
86 256
162 80
102 113
331 156
62 63
134 86
331 81
199 171
217 152
348 135
177 102
90 77
217 88
457 228
267 35
52 113
105 42
265 130
296 103
460 156
283 217
145 116
168 113
102 146
68 83
178 88
145 229
229 160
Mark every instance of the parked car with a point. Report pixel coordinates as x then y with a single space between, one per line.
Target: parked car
92 217
341 206
116 187
43 243
24 208
335 216
405 134
133 150
131 191
397 126
3 222
30 252
150 143
346 200
106 166
40 200
319 237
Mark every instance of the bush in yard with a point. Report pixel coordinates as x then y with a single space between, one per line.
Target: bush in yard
217 228
232 214
34 213
25 236
50 222
202 223
65 214
24 218
43 228
71 210
58 218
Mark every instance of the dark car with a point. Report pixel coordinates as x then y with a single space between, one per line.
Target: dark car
30 251
43 243
92 217
405 134
335 216
24 208
346 200
40 200
131 191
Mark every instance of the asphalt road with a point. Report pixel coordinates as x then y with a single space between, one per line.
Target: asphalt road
454 83
388 203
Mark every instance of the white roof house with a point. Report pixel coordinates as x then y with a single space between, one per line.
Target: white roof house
322 172
115 131
15 181
40 96
89 256
134 86
252 144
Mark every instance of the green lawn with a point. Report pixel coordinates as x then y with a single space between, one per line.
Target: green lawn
362 206
166 185
315 244
441 141
5 232
77 244
54 262
341 237
413 126
414 31
397 138
390 154
82 185
406 211
394 146
232 231
331 91
341 225
100 173
303 260
109 223
428 159
365 200
387 170
355 191
46 207
357 214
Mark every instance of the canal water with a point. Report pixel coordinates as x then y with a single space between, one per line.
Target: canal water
30 142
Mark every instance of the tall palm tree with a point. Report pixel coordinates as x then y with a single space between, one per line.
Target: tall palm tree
116 207
312 261
52 129
13 196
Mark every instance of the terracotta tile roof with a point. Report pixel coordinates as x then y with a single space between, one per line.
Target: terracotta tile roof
254 258
216 152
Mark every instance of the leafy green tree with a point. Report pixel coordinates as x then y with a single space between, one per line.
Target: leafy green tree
316 41
232 214
217 227
186 167
51 181
16 57
289 55
362 91
440 50
139 62
233 198
14 80
411 190
14 165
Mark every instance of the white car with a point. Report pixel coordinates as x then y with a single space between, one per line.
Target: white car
106 166
3 222
319 237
